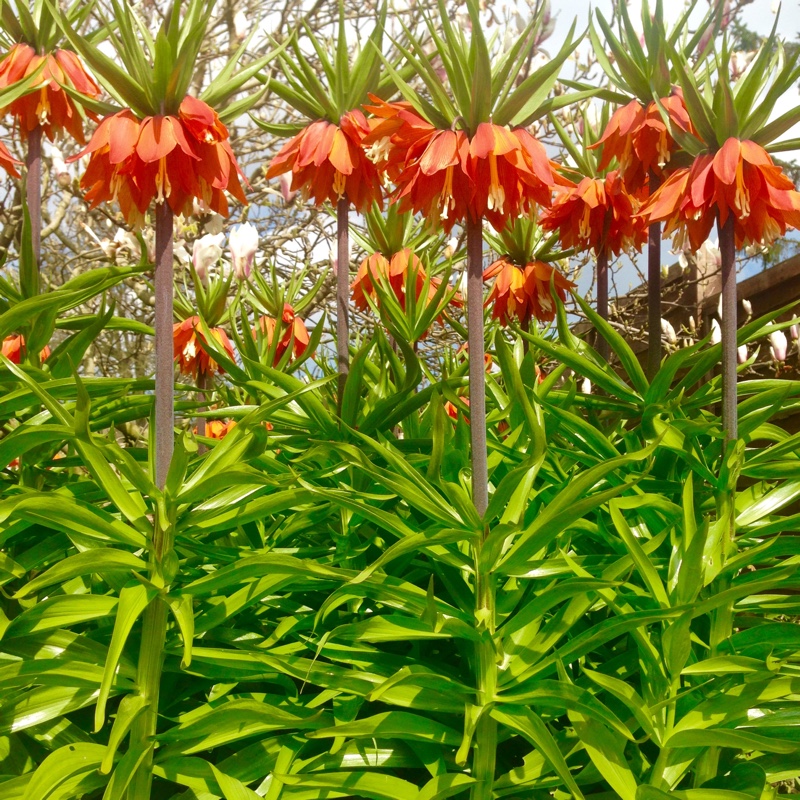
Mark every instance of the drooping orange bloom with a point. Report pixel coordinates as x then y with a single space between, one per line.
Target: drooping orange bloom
499 173
218 428
47 106
295 327
597 214
14 349
394 269
741 180
523 292
188 348
327 161
638 138
169 158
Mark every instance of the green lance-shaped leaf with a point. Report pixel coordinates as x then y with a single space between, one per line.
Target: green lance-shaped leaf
102 561
525 722
70 771
132 602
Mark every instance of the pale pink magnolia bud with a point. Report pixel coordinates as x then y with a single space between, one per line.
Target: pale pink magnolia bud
286 188
240 25
450 249
716 332
741 354
206 252
748 309
243 244
777 346
794 332
668 332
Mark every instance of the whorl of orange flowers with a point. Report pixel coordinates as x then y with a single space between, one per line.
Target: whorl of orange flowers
327 161
739 180
523 292
638 138
173 159
499 173
597 214
14 349
188 348
47 106
394 269
294 327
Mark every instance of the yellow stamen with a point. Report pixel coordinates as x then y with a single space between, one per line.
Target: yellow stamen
339 182
742 197
584 228
447 193
497 194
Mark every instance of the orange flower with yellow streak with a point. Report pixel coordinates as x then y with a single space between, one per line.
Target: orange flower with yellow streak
523 292
188 348
175 159
48 105
294 327
596 214
638 139
448 176
327 162
739 180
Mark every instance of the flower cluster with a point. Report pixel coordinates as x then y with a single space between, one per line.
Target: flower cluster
328 162
448 176
169 158
291 330
739 180
637 137
48 105
597 214
189 349
522 291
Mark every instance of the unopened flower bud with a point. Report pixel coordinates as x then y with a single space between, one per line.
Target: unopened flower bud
668 332
716 332
243 245
794 332
748 308
240 25
206 252
741 353
777 346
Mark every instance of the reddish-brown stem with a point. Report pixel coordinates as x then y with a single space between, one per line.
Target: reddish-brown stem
343 291
477 366
165 414
33 190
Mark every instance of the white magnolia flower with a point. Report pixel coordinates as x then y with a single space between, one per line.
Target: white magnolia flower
206 252
243 243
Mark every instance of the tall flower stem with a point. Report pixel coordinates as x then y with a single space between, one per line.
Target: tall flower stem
33 190
601 278
653 293
485 750
343 291
477 366
165 382
154 627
